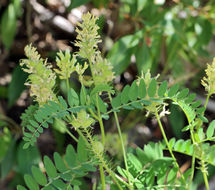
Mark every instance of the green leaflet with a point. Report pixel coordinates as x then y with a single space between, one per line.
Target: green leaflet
210 130
30 182
83 95
39 176
82 150
189 112
73 98
116 102
152 88
50 168
124 94
182 94
142 89
162 89
59 163
62 102
190 98
19 187
173 90
65 171
70 156
133 91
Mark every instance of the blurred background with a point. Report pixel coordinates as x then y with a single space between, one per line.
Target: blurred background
174 38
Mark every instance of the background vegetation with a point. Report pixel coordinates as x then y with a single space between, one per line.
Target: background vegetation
174 38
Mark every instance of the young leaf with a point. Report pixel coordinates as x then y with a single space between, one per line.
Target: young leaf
62 102
45 125
30 182
8 26
16 86
116 102
50 168
39 176
124 94
83 95
133 91
183 93
73 98
142 89
59 163
173 90
70 156
59 184
19 187
200 110
82 150
196 104
102 105
210 130
152 88
203 118
190 98
162 89
33 123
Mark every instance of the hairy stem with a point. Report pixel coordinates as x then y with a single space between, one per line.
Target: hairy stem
193 159
204 172
102 176
121 140
101 159
100 121
67 84
206 101
168 146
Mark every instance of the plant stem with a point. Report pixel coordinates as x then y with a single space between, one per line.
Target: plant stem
100 157
102 176
206 101
100 121
168 146
121 140
70 134
193 159
67 84
204 172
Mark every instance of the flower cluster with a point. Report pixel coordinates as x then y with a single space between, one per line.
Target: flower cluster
88 37
209 81
66 64
41 78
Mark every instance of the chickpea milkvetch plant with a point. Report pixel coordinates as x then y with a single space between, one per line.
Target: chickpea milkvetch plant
146 168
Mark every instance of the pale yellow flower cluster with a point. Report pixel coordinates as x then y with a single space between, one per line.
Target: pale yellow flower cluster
41 78
209 81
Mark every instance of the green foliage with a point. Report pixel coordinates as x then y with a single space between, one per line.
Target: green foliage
150 169
144 169
160 34
16 85
64 173
8 23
